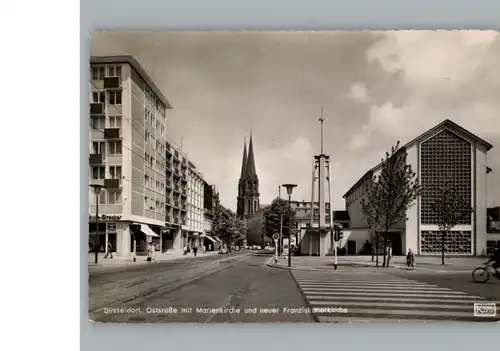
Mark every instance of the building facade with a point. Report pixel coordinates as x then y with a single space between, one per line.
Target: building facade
210 243
248 201
176 206
127 133
195 213
493 229
446 151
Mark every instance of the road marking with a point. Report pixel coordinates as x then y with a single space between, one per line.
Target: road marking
383 298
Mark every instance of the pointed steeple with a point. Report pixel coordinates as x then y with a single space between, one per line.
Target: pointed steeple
244 163
251 172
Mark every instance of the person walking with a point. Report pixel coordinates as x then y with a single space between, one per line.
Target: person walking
389 253
110 250
410 259
195 250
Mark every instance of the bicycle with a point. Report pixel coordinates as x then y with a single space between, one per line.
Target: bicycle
483 274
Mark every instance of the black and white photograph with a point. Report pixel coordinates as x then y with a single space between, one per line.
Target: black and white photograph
294 176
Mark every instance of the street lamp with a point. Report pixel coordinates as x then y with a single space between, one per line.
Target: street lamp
289 190
97 190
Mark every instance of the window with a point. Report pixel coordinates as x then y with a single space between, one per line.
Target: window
146 181
114 71
115 97
115 147
146 136
115 121
98 123
102 197
99 147
98 96
114 197
98 172
97 73
115 172
146 201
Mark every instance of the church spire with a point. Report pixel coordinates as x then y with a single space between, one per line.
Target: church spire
251 172
244 163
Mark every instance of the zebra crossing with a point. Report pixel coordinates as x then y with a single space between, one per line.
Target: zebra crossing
376 297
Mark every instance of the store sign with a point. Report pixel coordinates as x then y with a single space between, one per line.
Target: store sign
105 218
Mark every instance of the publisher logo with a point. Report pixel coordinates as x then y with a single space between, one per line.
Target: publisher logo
485 310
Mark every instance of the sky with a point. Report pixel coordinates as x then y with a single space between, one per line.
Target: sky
375 88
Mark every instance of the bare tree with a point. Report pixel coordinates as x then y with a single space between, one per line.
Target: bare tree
450 207
390 195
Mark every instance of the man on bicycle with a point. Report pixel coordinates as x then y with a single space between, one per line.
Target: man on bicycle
496 258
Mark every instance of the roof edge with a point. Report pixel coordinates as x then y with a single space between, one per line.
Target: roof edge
132 61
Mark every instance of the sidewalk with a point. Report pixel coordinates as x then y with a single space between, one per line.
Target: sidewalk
452 264
126 261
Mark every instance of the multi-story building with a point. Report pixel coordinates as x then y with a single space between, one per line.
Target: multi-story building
195 216
127 154
176 210
209 202
446 151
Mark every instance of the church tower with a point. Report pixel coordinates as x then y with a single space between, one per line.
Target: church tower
248 185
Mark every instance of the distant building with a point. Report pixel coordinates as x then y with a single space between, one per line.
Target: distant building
447 150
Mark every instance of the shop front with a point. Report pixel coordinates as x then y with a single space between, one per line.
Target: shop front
107 233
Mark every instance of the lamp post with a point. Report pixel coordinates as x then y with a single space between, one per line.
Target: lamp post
97 190
289 190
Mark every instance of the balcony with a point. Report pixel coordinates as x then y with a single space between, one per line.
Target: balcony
112 83
112 183
96 159
183 194
96 109
168 219
183 209
167 201
184 222
176 220
184 180
176 189
112 133
176 154
168 186
169 170
177 205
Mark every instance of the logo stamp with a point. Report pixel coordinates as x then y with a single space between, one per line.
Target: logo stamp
485 309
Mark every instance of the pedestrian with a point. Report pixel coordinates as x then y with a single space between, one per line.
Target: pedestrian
185 250
150 252
389 253
195 250
110 250
410 259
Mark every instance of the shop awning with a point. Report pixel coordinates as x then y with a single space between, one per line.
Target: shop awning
146 230
211 239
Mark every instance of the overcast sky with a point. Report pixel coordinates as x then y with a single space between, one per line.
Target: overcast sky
376 88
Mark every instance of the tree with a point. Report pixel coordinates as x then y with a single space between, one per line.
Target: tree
224 225
272 218
390 195
450 207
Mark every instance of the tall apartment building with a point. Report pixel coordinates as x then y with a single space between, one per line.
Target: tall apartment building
195 195
209 198
127 154
176 199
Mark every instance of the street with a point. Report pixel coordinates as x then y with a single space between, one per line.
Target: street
238 287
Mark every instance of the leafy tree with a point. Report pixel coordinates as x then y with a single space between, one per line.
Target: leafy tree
450 206
272 218
227 227
390 195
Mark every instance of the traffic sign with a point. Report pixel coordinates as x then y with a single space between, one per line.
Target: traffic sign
276 236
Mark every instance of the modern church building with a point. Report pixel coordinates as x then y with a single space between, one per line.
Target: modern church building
447 150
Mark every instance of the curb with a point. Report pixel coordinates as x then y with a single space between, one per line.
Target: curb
271 264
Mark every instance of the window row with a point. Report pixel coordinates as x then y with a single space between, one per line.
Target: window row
107 197
154 102
101 72
113 147
101 122
151 204
109 98
114 172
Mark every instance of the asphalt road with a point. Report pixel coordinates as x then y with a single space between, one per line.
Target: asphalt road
219 289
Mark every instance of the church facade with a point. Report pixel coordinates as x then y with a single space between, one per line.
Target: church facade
248 184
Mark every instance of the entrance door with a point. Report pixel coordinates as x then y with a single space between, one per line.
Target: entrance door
351 247
397 244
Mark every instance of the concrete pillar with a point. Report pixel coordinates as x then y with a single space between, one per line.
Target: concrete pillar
321 191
